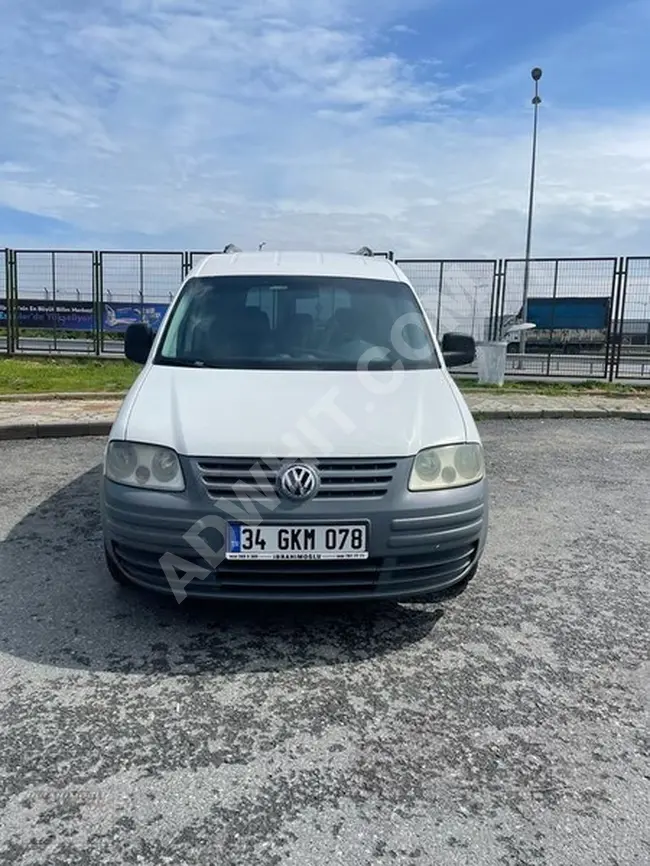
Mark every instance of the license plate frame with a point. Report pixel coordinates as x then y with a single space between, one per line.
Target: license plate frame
320 528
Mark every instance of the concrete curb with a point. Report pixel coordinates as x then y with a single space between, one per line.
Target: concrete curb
70 429
541 414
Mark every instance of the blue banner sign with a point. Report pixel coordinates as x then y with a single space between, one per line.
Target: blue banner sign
80 315
47 315
117 317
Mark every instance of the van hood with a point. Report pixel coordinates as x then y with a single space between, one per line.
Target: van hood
263 413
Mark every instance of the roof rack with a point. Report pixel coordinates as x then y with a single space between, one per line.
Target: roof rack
364 251
231 248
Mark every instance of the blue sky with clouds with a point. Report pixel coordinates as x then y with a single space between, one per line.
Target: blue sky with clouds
402 124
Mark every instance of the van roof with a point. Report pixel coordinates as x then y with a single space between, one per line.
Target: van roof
317 264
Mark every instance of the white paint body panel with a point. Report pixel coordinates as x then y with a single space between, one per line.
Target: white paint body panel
258 413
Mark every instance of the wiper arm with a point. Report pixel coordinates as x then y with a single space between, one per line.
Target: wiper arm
181 362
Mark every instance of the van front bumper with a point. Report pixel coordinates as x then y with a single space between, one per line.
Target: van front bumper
418 543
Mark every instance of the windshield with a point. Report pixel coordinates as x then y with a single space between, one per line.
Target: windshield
296 323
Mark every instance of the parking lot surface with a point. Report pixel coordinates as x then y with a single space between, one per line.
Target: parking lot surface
507 725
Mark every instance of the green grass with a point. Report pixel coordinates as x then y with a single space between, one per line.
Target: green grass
591 386
47 375
65 375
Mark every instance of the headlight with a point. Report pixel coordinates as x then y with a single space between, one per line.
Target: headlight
148 466
448 466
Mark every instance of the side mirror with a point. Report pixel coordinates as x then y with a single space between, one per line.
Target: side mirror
458 350
138 339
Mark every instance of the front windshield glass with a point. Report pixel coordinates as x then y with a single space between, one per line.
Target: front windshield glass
324 323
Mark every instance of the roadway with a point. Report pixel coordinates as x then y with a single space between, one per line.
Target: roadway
507 725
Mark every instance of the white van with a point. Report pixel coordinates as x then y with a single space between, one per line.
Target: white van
294 434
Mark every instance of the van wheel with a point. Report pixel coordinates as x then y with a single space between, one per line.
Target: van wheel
115 571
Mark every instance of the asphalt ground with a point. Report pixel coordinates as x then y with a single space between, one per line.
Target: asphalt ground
507 725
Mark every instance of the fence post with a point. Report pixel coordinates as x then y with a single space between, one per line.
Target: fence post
100 303
54 318
96 304
441 279
497 285
7 303
141 281
556 274
615 326
11 300
501 312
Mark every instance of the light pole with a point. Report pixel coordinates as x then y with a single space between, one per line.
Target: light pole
536 74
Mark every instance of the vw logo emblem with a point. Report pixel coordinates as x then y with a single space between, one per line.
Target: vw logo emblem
298 482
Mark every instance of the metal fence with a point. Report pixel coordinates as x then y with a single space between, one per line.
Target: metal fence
592 315
4 341
572 303
458 295
632 346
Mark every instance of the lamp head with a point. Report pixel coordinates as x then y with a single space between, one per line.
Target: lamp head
536 73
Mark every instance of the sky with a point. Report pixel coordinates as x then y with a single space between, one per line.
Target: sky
397 124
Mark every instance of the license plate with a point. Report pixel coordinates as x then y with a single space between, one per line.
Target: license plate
348 541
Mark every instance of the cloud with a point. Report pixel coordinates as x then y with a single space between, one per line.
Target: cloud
403 29
188 123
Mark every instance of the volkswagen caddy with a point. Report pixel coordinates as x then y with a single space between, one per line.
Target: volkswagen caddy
294 434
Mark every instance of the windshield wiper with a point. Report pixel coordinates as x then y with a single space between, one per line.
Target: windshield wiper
180 362
293 364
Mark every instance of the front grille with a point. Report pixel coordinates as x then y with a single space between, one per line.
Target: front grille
371 577
340 478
